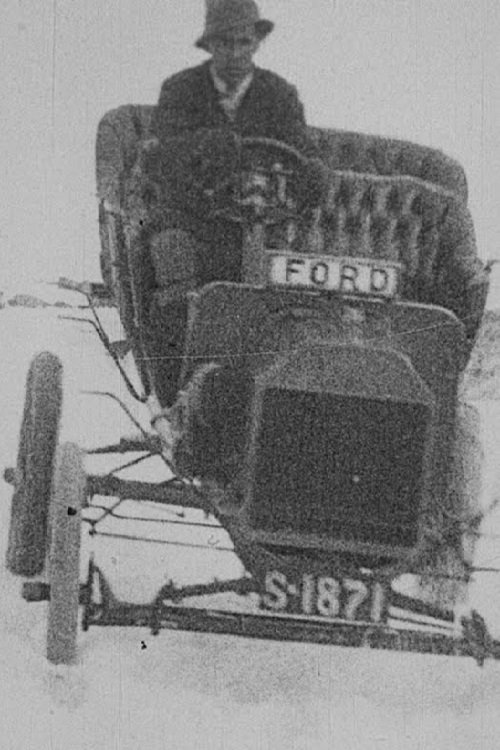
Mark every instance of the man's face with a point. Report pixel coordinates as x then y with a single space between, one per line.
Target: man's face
232 54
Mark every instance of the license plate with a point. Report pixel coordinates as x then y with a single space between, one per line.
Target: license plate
348 599
353 276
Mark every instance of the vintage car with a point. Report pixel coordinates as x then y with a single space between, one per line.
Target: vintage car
316 412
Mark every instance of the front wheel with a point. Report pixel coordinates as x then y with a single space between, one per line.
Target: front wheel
68 499
33 475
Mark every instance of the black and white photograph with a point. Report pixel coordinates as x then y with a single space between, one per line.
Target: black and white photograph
250 375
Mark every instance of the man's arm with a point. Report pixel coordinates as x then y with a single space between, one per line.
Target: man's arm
177 127
315 176
172 113
272 108
183 106
293 123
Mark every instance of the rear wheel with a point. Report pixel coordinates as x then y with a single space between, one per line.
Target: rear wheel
67 501
27 544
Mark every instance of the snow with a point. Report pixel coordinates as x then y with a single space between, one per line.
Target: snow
179 691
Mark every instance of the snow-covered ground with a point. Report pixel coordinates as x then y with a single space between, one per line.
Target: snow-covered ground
179 691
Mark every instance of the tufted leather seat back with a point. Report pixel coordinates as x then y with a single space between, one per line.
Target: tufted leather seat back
399 219
370 154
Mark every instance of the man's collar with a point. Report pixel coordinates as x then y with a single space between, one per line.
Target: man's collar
238 92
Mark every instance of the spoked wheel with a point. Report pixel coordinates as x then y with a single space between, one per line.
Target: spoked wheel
67 500
27 543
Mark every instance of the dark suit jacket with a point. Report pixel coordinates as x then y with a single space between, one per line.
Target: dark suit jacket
270 108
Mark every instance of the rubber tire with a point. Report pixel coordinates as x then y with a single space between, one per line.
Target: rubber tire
68 499
28 532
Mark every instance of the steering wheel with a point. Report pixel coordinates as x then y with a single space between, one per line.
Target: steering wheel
260 167
271 144
268 181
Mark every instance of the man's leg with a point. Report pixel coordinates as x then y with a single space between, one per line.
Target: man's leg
173 254
219 251
183 260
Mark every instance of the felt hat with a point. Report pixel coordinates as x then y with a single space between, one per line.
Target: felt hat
223 16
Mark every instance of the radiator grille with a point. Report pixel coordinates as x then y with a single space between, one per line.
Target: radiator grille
347 467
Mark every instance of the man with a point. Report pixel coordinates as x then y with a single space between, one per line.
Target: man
201 114
228 91
203 111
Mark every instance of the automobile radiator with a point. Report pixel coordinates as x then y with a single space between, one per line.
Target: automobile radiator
346 467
